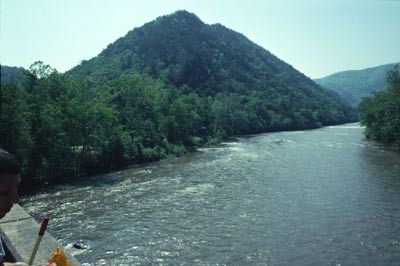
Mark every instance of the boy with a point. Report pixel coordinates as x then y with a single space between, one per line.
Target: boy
10 177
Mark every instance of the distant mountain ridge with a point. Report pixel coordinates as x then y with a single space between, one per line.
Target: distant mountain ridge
10 74
353 85
183 52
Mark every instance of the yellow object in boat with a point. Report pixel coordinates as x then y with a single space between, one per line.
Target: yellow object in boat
59 257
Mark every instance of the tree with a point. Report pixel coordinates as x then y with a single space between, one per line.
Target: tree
381 113
14 121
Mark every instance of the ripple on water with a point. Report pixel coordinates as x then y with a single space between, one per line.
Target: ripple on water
197 189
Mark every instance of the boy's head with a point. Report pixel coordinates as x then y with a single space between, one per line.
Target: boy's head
10 178
8 163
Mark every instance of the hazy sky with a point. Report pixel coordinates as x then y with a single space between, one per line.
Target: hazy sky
317 37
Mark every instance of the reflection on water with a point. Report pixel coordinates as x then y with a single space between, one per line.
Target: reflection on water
318 197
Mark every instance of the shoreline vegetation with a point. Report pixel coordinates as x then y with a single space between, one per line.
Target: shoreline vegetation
380 114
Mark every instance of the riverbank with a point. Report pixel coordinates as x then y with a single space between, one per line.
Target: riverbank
30 186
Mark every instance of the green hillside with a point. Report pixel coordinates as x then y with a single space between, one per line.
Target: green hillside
353 85
165 88
184 52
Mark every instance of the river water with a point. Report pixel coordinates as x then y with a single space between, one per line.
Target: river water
318 197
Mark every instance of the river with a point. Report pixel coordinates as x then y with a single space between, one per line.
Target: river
317 197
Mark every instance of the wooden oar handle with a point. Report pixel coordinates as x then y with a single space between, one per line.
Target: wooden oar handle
39 238
44 226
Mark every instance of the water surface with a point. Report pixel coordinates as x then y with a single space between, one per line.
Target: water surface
317 197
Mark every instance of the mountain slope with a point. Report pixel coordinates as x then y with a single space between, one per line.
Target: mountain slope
10 74
353 85
182 51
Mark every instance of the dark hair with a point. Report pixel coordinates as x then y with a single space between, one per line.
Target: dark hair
8 163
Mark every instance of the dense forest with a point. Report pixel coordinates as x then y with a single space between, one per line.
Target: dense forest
381 113
165 88
353 85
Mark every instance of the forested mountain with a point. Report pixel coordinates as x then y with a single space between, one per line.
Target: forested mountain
165 88
353 85
10 74
185 53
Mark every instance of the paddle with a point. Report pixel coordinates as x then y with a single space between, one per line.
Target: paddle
39 238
